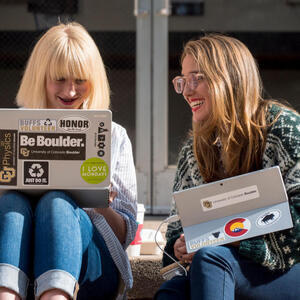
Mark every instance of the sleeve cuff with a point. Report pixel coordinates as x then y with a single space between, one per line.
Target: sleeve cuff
254 249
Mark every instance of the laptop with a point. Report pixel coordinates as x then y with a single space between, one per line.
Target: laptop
59 149
233 209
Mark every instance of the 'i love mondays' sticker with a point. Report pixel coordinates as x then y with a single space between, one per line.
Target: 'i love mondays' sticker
94 170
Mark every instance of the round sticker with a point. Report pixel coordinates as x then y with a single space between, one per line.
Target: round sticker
237 227
94 170
269 218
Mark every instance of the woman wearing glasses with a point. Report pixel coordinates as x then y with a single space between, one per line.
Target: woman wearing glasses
235 131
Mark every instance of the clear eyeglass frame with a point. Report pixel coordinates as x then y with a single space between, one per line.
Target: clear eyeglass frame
191 81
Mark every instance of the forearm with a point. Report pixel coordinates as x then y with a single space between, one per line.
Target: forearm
115 221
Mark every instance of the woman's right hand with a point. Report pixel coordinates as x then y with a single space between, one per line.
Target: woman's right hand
180 250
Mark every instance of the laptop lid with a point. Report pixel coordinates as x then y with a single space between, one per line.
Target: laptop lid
63 149
233 209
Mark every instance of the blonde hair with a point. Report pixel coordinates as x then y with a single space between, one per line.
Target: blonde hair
232 140
65 50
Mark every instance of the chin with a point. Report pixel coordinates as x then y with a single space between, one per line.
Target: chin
200 116
197 119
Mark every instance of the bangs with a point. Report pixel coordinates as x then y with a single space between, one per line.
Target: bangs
69 63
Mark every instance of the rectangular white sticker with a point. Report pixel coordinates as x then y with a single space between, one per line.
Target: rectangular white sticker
37 125
212 239
229 198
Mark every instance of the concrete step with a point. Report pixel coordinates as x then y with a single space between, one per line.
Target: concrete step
146 268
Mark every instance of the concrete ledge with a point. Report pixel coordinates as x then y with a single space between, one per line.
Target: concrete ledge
146 268
146 276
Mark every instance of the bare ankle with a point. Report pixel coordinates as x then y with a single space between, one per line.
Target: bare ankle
54 294
7 294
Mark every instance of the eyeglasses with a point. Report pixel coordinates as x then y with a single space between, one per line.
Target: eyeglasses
191 81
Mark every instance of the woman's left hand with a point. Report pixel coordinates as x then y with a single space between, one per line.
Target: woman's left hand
180 250
112 196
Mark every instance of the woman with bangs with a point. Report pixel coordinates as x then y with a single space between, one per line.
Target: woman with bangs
235 131
85 256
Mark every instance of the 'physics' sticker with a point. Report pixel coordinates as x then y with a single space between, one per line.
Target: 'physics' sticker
237 227
8 157
94 170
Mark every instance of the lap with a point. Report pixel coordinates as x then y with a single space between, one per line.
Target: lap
249 279
252 280
97 273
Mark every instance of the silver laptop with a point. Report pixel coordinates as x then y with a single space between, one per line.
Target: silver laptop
61 149
233 209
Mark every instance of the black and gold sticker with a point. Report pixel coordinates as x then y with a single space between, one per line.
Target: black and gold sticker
8 157
52 146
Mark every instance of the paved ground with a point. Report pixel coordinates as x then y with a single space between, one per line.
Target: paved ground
146 268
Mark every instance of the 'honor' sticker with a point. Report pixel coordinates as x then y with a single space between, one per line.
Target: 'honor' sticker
94 170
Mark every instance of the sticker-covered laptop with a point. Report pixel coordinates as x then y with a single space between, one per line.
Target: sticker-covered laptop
62 149
233 209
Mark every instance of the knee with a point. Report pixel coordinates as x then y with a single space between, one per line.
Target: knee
205 253
213 252
54 202
16 202
218 256
54 199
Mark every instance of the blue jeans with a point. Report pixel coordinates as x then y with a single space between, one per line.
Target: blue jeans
54 244
221 273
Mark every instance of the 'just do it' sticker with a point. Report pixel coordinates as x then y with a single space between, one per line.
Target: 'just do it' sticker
94 170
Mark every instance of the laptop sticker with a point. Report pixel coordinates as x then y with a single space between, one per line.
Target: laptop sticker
52 146
237 227
37 125
36 173
8 157
74 124
212 239
268 218
94 170
229 198
100 138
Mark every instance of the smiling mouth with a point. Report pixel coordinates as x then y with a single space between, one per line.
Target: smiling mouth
67 101
196 104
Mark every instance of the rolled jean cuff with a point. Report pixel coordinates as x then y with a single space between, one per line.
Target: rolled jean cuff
14 279
56 279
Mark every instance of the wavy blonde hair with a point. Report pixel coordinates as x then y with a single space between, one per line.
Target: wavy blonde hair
64 51
232 140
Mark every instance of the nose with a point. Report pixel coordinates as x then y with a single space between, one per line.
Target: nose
187 91
70 88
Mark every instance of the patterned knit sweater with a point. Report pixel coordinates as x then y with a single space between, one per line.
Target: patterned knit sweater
276 251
